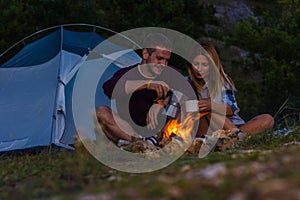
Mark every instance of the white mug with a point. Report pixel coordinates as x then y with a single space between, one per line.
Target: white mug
191 106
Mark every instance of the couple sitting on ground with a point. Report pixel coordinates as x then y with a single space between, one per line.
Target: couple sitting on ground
138 88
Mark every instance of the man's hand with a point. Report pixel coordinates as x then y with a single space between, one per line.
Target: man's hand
160 87
152 116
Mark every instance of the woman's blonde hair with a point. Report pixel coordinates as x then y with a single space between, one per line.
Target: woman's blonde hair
211 50
216 76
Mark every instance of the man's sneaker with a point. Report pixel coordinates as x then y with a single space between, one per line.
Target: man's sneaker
151 140
121 143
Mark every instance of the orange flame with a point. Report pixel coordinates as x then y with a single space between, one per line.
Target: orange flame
184 129
171 127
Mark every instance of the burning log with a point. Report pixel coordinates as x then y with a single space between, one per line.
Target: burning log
180 131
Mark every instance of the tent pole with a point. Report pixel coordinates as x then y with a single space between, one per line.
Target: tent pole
54 120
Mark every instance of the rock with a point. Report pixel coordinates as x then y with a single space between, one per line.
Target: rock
227 141
140 146
231 12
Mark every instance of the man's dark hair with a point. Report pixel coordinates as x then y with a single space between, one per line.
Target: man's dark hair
154 40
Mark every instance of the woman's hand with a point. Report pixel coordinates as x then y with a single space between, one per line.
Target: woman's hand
204 104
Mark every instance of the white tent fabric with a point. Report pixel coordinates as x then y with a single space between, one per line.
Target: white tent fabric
71 64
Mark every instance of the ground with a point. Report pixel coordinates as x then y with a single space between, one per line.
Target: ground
266 167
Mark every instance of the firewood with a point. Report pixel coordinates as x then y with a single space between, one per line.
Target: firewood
195 146
140 146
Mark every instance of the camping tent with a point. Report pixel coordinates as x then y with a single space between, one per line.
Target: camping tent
36 86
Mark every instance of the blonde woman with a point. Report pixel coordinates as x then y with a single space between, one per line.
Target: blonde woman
215 90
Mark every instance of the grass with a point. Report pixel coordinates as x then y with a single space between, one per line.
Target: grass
247 171
76 174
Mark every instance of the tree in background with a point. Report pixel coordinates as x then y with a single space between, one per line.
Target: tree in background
273 46
20 18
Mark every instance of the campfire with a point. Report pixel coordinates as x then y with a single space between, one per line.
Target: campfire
180 134
182 130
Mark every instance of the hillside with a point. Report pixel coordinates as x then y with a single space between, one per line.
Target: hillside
229 13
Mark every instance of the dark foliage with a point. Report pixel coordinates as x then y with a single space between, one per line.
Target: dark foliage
272 43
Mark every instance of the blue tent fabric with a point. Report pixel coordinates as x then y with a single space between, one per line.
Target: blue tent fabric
47 47
88 40
25 119
36 52
36 87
